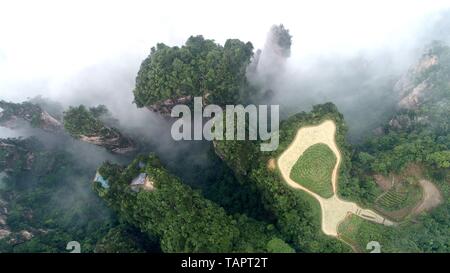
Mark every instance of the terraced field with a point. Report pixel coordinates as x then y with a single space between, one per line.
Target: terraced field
334 210
396 199
314 168
392 200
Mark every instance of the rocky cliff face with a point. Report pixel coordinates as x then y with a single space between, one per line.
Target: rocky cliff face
88 125
165 107
270 62
15 155
4 229
424 91
413 86
16 115
110 139
13 115
14 237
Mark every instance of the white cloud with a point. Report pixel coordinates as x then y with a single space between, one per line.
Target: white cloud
44 42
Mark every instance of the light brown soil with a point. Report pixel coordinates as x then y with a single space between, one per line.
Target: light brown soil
431 197
334 210
271 164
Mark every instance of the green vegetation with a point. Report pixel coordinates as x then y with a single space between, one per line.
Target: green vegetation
359 232
92 125
427 233
27 111
392 200
396 199
278 246
238 207
182 219
296 213
124 239
423 139
314 168
81 121
47 194
199 68
95 121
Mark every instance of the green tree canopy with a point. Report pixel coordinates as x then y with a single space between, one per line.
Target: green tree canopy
199 68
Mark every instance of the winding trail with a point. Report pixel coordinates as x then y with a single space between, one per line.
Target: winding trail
334 210
431 198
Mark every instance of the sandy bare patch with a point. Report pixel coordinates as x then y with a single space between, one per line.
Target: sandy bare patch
334 210
271 164
149 185
306 137
431 197
97 140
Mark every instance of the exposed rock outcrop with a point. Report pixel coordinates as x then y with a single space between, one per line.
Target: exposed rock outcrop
4 229
413 86
423 92
15 155
12 114
113 141
165 107
267 64
88 125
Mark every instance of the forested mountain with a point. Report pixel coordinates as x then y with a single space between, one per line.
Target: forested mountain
83 178
202 68
15 115
45 202
147 196
91 125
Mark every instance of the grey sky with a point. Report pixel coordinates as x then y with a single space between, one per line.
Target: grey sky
44 44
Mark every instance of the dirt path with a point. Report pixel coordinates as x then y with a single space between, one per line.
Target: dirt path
431 197
334 210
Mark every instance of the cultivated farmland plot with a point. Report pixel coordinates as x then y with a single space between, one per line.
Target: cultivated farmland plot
310 151
314 169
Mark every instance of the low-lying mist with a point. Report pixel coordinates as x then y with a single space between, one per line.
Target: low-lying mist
358 78
359 83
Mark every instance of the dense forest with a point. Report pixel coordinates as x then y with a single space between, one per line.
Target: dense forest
81 177
46 201
200 68
181 218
